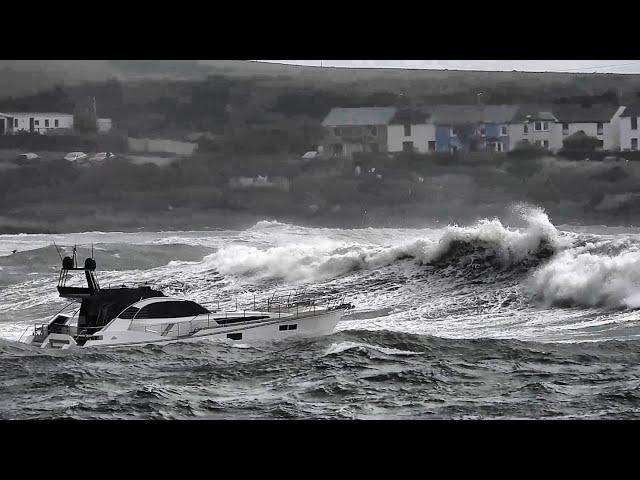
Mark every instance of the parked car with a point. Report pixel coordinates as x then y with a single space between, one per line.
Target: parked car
310 155
25 158
75 156
101 157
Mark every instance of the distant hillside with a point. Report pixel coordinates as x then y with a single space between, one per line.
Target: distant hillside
25 77
254 107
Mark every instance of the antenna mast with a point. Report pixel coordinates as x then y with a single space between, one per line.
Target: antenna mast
57 250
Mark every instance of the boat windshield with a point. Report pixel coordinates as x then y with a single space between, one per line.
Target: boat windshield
171 309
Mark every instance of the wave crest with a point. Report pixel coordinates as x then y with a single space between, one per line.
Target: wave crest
584 279
488 243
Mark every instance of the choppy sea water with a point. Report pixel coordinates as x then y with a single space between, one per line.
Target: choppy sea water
502 319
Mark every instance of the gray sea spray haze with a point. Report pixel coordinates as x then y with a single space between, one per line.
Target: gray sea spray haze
502 319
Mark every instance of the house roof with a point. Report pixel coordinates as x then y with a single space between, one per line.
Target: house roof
359 116
49 114
601 113
534 112
458 114
632 110
413 116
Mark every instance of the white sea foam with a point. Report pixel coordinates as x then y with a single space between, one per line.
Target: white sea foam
336 348
577 278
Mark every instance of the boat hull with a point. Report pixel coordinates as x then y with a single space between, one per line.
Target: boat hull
270 329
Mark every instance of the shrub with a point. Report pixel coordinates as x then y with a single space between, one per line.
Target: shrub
528 150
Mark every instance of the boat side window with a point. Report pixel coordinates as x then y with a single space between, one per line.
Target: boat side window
171 310
293 326
129 313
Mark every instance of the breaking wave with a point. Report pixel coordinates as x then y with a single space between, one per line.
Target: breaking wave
488 243
589 280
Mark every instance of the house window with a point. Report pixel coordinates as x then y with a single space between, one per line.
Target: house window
36 123
407 130
337 149
431 145
599 128
336 131
545 143
634 123
601 143
56 123
503 130
374 131
525 129
634 144
545 125
46 123
407 146
15 122
498 147
565 128
537 126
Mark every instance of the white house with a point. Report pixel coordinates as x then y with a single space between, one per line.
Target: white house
411 131
598 121
535 125
34 122
103 125
629 133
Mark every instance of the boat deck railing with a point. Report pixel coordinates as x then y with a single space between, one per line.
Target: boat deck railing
291 302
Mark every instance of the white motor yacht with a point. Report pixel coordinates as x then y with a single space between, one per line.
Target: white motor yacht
142 315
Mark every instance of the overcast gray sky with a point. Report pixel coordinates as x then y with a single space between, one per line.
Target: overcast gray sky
613 66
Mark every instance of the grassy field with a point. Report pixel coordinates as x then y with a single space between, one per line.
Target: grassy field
413 192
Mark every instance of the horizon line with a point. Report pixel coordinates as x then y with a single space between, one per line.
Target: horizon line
430 69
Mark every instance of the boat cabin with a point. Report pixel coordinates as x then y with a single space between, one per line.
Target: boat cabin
98 305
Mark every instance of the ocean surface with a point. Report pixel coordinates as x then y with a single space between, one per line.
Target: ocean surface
502 319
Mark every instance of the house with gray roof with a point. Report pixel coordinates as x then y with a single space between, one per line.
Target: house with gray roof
601 121
351 130
535 125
